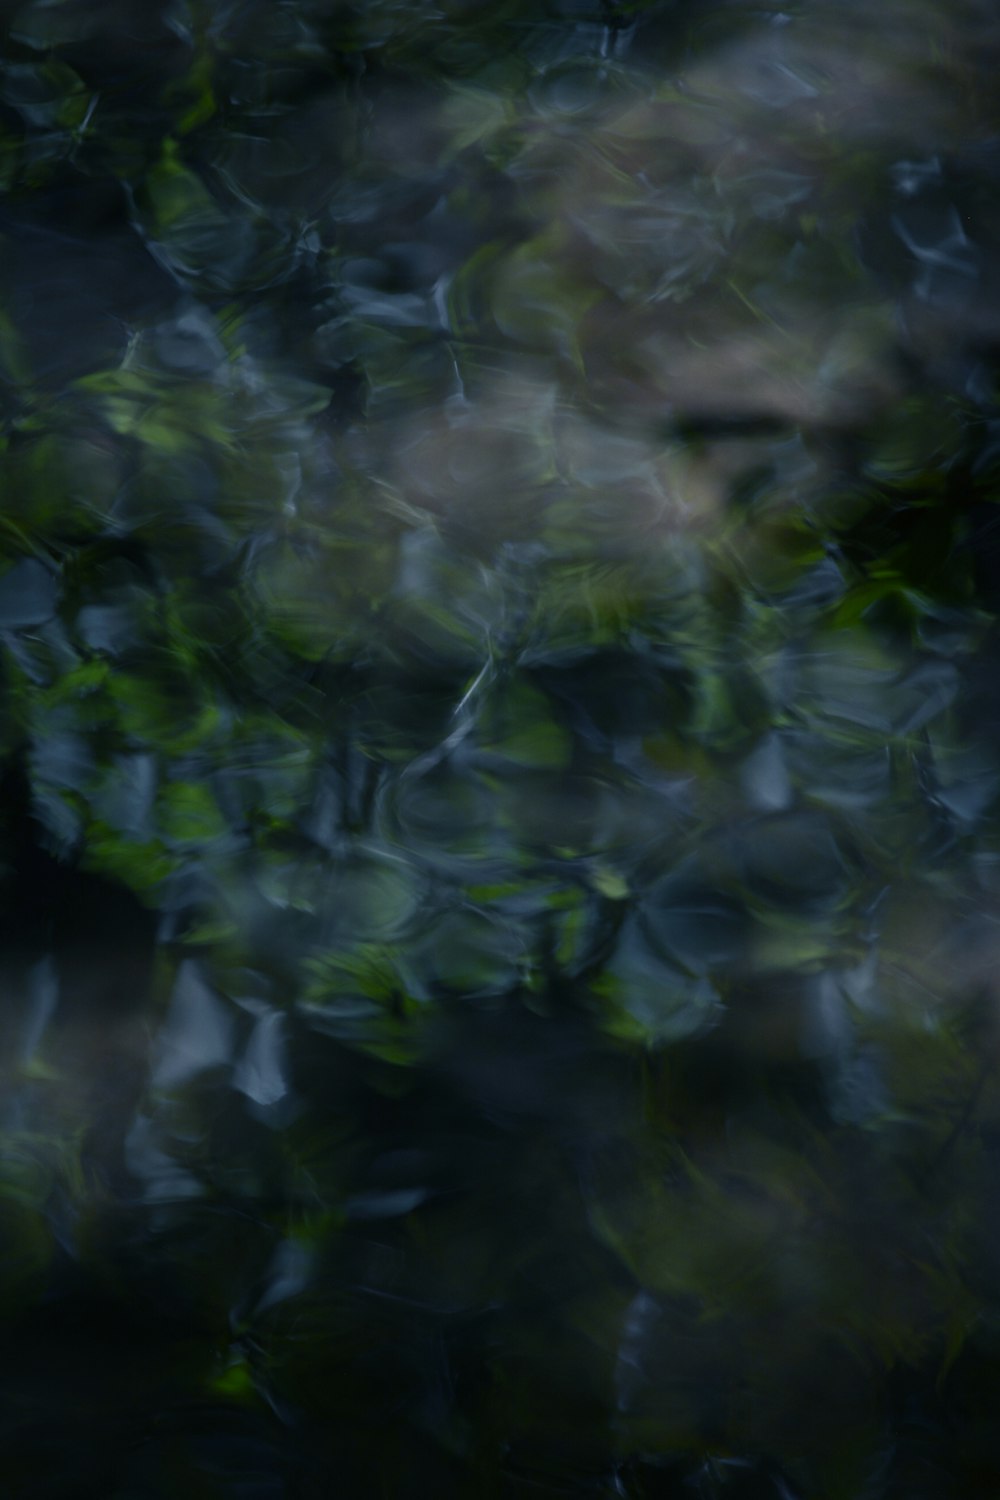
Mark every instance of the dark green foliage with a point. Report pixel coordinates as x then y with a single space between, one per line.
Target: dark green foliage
499 578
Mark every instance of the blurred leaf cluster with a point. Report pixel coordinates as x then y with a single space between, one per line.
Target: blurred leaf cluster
500 749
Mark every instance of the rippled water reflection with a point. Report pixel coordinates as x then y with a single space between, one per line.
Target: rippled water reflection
498 590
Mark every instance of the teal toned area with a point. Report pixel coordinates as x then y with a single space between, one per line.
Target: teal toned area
499 750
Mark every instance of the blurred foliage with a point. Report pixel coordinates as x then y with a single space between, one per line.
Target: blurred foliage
500 750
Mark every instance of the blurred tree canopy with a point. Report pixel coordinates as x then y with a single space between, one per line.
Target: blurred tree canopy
500 749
